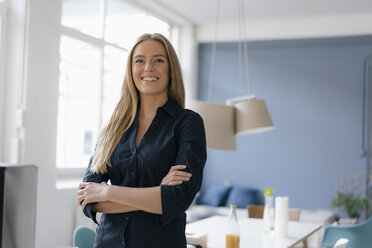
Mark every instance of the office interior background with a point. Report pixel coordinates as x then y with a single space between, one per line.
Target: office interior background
62 64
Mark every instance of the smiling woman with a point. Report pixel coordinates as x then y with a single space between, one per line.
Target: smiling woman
153 152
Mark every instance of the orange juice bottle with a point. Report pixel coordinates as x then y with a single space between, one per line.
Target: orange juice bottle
232 229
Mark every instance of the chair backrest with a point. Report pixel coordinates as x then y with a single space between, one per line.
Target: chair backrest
359 236
255 211
341 243
84 237
294 214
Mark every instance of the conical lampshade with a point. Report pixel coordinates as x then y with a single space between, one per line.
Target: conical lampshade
219 124
252 117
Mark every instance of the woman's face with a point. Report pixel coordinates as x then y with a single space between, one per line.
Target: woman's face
150 68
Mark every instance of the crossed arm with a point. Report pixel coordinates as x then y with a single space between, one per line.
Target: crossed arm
120 199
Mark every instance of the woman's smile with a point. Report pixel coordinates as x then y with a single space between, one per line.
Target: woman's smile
149 79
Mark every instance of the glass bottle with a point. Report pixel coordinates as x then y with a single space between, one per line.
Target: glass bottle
232 229
268 217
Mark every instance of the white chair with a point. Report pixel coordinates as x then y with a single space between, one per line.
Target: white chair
341 243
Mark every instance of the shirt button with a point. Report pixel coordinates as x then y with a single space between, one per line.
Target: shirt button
126 218
132 173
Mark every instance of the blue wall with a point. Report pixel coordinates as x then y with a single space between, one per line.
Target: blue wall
313 89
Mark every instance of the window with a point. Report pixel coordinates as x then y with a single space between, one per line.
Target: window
2 65
95 38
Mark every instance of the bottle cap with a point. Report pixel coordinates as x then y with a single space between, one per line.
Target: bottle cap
269 191
232 206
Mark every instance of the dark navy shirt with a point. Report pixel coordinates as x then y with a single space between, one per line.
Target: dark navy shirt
175 136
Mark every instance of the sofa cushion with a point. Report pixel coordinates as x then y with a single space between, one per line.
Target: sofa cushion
214 195
242 196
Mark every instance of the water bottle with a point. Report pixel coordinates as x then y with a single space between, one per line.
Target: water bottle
232 229
268 217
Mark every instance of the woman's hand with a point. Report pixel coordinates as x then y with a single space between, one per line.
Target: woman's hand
92 192
175 176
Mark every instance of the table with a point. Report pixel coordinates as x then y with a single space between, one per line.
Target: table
251 232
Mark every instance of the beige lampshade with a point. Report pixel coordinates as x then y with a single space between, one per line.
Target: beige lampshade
252 117
219 124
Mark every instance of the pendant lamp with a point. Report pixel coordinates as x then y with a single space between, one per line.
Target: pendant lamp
251 114
219 124
218 119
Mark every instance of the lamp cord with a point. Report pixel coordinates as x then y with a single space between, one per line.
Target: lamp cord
241 7
240 48
211 74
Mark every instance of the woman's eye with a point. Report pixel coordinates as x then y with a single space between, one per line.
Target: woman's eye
159 60
138 61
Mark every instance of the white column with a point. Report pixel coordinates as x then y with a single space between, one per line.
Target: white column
188 48
41 119
13 88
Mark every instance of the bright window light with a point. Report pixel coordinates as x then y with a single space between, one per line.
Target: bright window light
114 67
124 23
83 15
155 25
78 109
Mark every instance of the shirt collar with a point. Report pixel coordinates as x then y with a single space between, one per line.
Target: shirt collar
170 107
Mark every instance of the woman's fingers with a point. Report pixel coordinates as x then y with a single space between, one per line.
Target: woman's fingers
84 203
177 167
175 176
179 175
81 193
180 178
175 181
83 185
182 174
91 192
80 199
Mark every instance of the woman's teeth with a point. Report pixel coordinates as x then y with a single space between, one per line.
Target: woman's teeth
149 78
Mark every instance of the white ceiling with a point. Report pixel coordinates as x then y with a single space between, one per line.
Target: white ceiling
203 12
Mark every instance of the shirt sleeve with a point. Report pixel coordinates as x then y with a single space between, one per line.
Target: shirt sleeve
191 152
96 178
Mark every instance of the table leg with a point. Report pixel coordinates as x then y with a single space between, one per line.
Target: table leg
304 242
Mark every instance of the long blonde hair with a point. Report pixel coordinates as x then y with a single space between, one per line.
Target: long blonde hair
126 109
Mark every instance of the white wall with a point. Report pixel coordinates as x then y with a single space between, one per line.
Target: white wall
291 28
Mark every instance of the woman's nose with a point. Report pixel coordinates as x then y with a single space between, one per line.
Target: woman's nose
148 66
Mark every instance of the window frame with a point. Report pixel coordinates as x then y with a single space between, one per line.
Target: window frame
3 16
100 43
